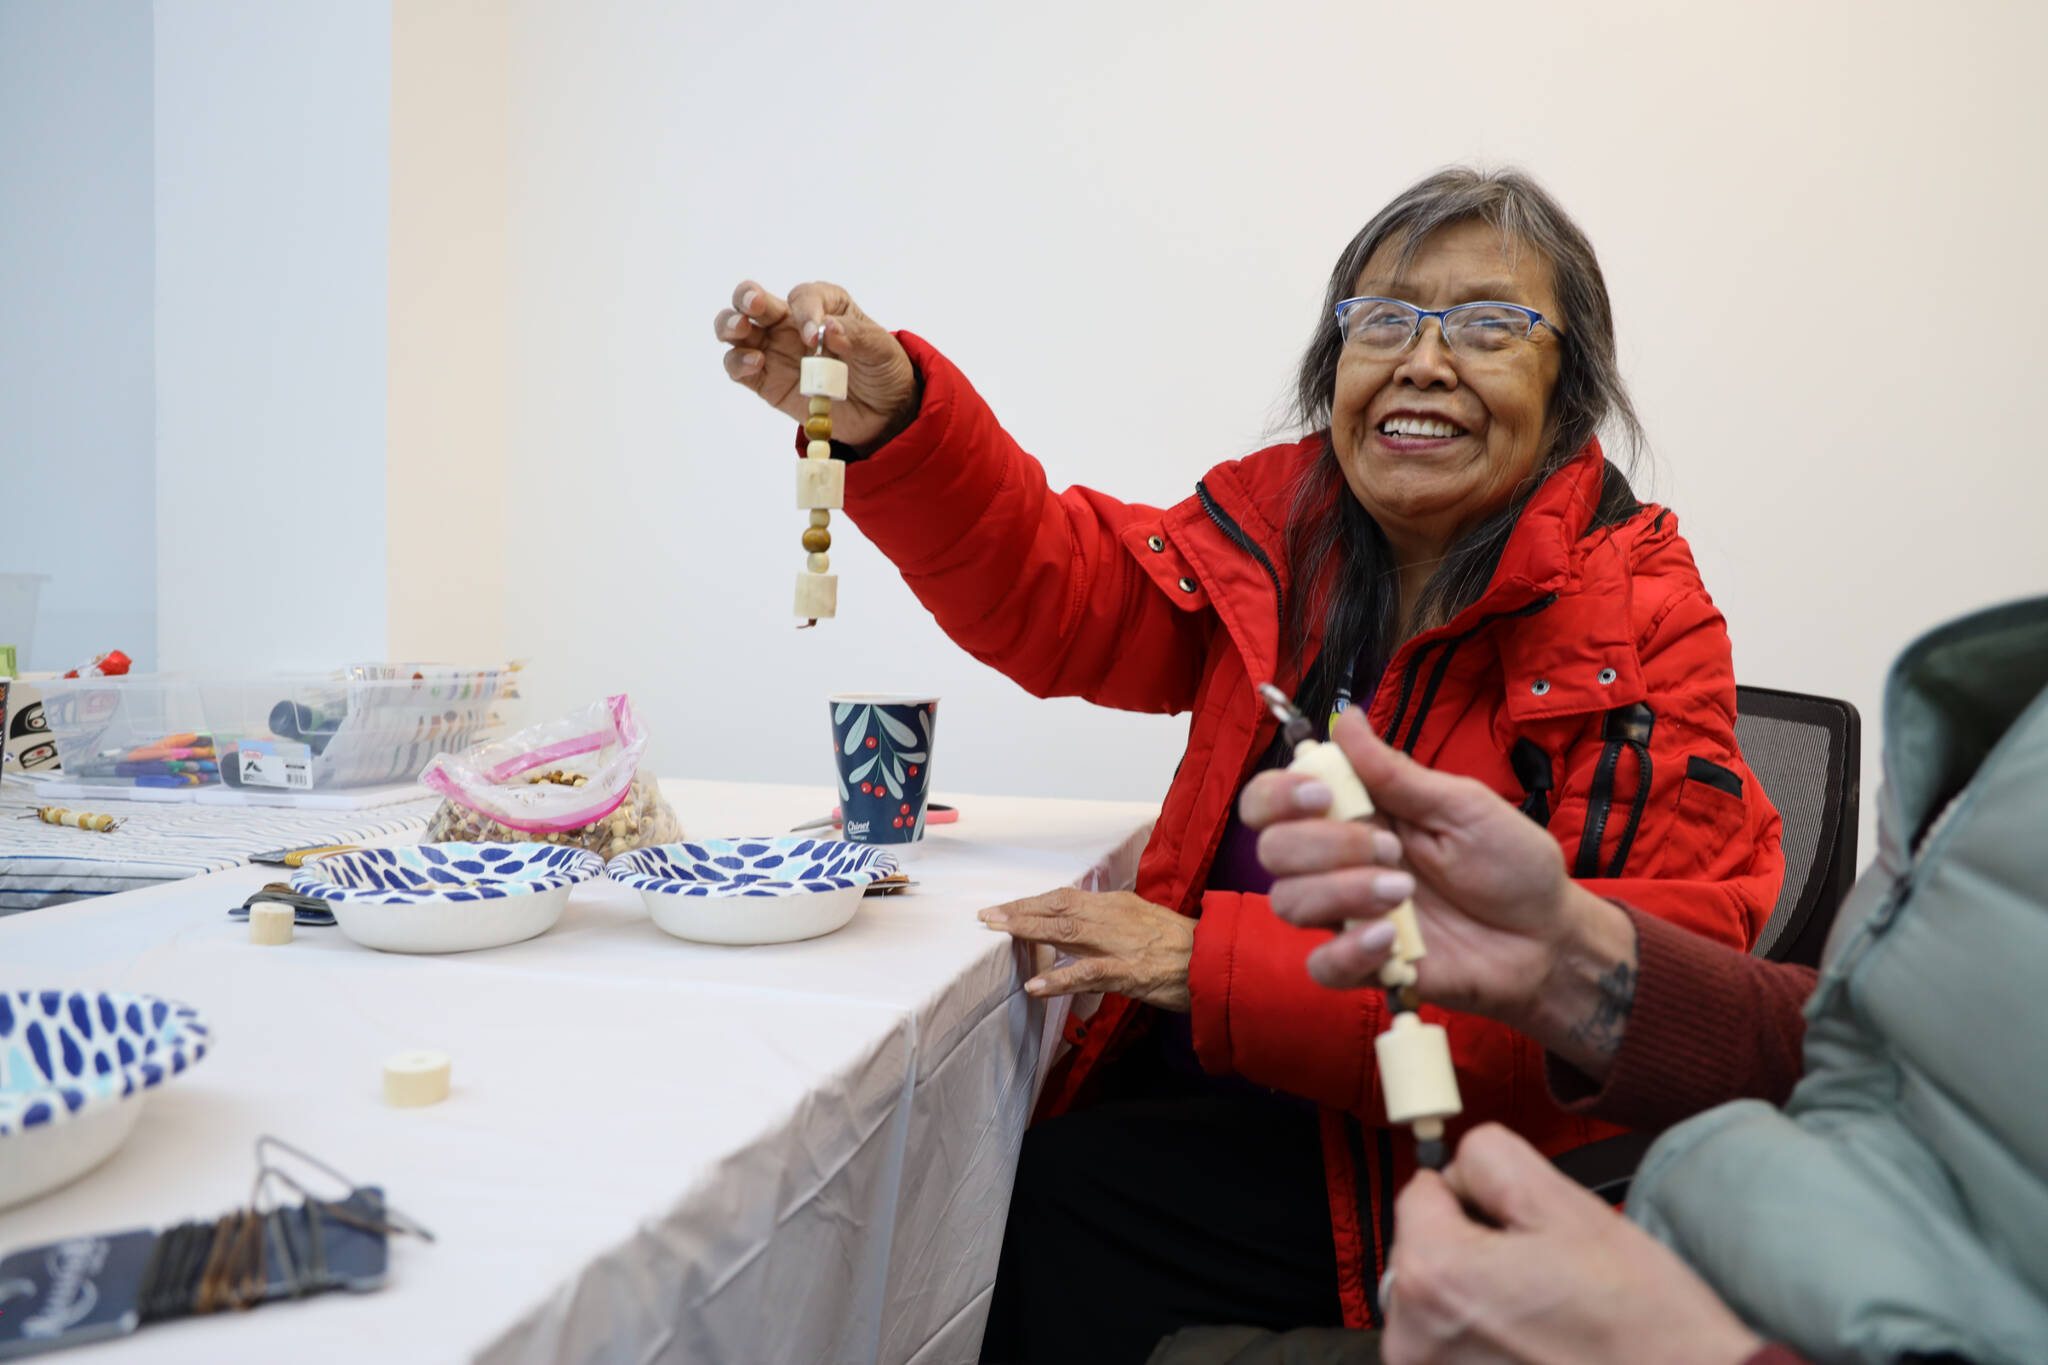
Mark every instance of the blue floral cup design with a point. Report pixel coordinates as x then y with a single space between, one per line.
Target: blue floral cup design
882 748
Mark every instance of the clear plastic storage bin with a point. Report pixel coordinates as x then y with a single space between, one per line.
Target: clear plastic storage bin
368 725
124 731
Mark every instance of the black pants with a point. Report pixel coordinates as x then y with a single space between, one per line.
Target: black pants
1180 1203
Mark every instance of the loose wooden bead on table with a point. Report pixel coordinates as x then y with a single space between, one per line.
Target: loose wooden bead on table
270 924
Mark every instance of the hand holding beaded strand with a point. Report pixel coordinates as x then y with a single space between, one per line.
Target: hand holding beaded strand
820 484
1417 1080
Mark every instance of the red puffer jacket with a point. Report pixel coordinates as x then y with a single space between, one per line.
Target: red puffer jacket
1595 662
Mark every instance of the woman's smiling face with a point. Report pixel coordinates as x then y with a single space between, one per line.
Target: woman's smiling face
1431 442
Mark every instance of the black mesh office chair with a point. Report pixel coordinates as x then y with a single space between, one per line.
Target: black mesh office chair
1808 753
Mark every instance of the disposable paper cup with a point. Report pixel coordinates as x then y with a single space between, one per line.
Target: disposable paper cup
882 749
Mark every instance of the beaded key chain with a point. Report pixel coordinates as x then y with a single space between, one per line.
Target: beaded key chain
77 819
820 483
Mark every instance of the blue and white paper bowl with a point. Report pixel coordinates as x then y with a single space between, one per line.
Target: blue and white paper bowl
744 891
74 1068
447 898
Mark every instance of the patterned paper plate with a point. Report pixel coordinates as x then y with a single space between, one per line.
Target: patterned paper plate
73 1069
447 898
766 890
445 872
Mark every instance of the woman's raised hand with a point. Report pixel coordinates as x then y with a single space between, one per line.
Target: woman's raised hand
768 336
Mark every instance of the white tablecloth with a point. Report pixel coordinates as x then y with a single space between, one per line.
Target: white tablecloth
655 1150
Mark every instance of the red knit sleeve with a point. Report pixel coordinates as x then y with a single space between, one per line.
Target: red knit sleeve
1709 1024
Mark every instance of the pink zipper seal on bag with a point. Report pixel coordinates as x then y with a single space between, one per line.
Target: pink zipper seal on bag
475 795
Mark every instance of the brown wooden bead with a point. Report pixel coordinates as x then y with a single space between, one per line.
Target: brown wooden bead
819 428
816 540
821 406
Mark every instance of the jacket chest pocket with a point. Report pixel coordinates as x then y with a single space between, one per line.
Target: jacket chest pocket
1706 838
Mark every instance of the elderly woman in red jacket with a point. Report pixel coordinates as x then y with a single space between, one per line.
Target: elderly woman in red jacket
1449 551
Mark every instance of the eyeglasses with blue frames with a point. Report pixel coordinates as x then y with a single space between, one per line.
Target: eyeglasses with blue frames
1486 330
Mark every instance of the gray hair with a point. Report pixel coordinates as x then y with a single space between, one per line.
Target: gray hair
1589 391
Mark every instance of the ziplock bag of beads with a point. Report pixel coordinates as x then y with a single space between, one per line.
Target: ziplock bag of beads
573 780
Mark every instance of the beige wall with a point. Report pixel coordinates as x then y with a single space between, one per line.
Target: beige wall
1818 221
449 329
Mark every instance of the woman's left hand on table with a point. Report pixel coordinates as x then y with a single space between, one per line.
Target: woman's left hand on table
1125 944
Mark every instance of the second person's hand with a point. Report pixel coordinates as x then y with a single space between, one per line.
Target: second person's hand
1509 935
769 336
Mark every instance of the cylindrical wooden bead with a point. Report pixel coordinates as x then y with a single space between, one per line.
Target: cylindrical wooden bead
820 376
821 483
817 541
818 563
412 1079
818 450
270 924
1325 761
1416 1077
820 517
817 595
1407 933
821 406
818 428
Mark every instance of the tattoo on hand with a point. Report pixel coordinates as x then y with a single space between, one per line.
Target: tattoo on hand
1601 1031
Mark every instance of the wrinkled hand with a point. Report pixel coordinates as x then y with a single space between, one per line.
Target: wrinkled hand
1559 1278
769 336
1126 944
1500 918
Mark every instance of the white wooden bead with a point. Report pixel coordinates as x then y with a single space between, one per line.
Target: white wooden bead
817 595
270 923
818 562
820 517
1326 762
1416 1075
1399 968
820 376
1407 933
818 450
821 483
412 1079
